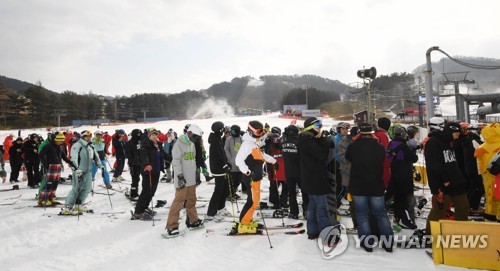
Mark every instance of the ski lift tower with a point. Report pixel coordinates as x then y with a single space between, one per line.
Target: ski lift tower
460 102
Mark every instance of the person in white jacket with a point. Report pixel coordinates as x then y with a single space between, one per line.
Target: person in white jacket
249 160
184 164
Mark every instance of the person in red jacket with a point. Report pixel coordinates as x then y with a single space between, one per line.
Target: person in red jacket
107 139
278 179
162 137
383 136
7 143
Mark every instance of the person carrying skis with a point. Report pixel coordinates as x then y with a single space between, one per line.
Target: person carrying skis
184 164
99 146
249 160
219 167
83 154
133 153
152 163
51 158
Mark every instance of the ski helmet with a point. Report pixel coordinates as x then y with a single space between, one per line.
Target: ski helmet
311 123
97 132
194 129
235 130
85 133
58 137
136 134
255 128
275 139
276 130
436 123
412 130
452 127
399 132
186 128
218 127
292 130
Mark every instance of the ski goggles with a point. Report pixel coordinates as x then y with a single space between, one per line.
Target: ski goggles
86 133
258 132
316 125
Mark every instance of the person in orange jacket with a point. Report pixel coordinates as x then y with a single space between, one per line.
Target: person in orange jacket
7 143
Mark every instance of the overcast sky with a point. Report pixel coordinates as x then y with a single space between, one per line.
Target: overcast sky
123 47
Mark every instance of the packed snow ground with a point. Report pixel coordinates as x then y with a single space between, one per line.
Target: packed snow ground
38 239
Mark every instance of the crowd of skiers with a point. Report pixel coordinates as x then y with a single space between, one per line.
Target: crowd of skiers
369 165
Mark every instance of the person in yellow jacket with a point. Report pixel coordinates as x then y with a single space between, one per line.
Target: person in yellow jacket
249 160
484 155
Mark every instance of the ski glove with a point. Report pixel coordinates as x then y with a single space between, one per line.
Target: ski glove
78 173
181 182
148 168
227 168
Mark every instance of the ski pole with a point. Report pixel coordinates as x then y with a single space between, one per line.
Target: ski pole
46 192
152 199
282 209
233 192
265 226
77 197
230 191
261 215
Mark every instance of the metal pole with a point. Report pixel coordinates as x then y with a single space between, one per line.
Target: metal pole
369 104
429 106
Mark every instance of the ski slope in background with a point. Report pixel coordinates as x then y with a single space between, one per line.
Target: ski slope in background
38 239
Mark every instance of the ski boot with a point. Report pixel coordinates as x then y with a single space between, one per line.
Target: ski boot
246 229
54 201
256 225
160 203
280 213
195 225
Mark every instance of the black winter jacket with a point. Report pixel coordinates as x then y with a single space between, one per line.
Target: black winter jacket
15 154
402 159
442 166
290 152
217 155
367 157
152 155
313 153
51 154
30 150
133 153
119 147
